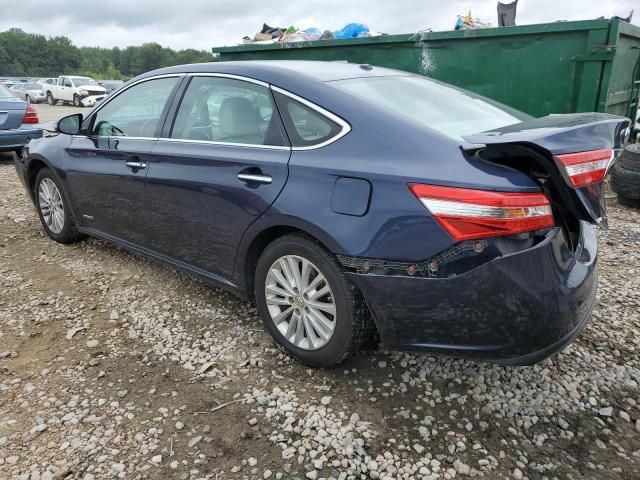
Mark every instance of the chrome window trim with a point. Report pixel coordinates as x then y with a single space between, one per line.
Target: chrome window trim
95 137
229 144
345 128
229 75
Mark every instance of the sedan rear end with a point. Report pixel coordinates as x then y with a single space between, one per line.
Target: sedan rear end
517 280
17 122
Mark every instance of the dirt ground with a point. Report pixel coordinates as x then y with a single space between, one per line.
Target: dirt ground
112 366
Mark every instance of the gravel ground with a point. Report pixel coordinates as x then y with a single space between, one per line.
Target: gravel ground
112 366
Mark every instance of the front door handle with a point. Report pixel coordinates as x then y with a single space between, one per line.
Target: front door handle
255 178
136 165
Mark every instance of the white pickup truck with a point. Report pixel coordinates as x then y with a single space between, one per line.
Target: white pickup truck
81 91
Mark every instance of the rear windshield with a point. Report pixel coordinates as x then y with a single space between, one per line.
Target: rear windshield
5 93
444 108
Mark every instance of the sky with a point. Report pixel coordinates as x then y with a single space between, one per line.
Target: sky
203 24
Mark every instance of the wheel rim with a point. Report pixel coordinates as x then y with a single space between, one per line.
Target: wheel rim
51 206
300 302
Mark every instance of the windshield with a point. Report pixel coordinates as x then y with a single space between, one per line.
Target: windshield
436 105
30 86
79 81
5 93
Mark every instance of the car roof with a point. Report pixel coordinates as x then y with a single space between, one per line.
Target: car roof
267 70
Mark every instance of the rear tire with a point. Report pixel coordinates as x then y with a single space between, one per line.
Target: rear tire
626 183
53 209
27 99
629 202
50 99
630 158
349 322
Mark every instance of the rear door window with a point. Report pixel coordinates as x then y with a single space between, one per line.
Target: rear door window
228 110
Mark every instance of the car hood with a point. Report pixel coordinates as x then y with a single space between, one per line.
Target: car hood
92 87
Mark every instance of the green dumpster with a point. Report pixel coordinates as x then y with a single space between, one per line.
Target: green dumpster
560 67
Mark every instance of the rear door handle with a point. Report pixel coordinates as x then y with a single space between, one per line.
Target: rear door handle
255 178
136 165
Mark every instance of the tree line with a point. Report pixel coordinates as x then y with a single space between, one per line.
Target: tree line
33 55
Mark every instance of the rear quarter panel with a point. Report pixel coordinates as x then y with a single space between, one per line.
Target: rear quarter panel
388 152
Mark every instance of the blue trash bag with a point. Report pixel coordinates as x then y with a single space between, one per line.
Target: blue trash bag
353 30
314 33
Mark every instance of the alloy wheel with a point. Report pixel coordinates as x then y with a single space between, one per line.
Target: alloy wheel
51 205
300 302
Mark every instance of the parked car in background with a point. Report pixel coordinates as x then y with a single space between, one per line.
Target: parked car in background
17 122
344 199
11 83
81 91
29 92
110 85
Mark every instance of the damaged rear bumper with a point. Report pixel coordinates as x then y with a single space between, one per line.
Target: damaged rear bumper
516 309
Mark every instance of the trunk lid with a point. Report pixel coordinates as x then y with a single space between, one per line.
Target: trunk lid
11 113
543 147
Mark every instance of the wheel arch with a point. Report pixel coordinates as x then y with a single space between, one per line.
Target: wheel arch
37 163
256 239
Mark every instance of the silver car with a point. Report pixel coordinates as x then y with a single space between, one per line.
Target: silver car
29 92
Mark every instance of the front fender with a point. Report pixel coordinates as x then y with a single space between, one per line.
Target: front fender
43 152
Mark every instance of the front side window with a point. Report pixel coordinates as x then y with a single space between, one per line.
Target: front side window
66 83
305 126
219 109
135 112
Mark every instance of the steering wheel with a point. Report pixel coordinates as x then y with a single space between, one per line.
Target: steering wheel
111 128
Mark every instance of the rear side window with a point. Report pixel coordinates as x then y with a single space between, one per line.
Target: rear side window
227 110
305 126
5 93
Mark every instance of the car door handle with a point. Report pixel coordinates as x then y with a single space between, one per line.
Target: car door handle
255 178
136 165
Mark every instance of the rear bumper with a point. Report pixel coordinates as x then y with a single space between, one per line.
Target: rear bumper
18 137
517 309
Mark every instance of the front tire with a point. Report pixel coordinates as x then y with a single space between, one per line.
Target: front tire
27 99
53 209
76 101
307 304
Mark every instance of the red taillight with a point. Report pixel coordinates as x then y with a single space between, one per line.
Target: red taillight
585 168
30 116
469 214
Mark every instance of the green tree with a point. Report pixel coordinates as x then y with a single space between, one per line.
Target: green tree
27 54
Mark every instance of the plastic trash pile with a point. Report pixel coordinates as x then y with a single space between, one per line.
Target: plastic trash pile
467 22
292 34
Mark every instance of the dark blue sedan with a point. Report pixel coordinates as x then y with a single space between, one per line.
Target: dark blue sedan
346 201
17 122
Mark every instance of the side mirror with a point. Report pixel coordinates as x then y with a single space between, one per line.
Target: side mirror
70 125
